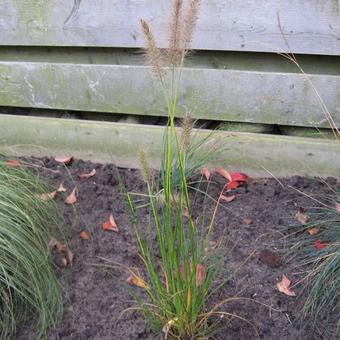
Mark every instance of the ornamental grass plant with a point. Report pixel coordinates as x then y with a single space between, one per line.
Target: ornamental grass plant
317 253
181 268
28 284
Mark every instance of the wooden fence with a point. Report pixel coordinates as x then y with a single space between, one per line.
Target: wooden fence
82 56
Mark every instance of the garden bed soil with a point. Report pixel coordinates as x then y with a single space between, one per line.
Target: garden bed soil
254 222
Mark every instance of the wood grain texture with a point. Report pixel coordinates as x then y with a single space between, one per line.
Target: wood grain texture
121 143
310 26
215 94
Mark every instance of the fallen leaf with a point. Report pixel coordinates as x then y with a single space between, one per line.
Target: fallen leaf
314 231
71 198
65 160
54 243
87 175
13 163
228 199
110 225
320 245
232 185
238 176
223 173
248 221
270 258
85 235
48 196
61 187
137 281
301 216
206 173
284 286
337 206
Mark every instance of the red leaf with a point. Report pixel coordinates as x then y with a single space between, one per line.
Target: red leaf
320 245
65 160
206 173
228 199
85 235
87 175
71 198
110 225
223 173
238 176
284 286
13 163
233 185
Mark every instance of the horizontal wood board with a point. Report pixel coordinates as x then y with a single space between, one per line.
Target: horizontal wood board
310 26
121 143
216 94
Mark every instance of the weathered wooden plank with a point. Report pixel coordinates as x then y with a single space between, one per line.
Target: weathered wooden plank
217 94
310 26
121 143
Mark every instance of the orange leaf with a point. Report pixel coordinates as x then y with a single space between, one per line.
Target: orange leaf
110 225
13 163
232 185
65 160
320 245
301 216
314 231
61 187
228 199
71 198
223 173
284 286
238 176
87 175
48 196
137 281
85 235
206 173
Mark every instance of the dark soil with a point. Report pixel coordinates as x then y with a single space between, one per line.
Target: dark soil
255 222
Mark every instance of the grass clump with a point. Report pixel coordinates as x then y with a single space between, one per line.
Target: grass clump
181 273
318 253
28 285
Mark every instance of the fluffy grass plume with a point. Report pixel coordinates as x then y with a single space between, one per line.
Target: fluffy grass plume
28 285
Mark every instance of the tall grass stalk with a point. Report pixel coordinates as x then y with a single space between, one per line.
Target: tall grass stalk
181 272
28 285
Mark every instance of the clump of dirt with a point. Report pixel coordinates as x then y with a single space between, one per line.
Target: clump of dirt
95 297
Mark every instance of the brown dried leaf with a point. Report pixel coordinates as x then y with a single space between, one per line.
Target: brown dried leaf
69 256
301 216
65 160
137 281
87 175
314 231
223 173
61 187
47 197
206 173
85 235
284 286
13 163
228 199
72 198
